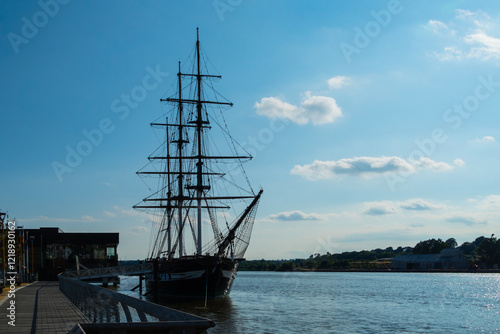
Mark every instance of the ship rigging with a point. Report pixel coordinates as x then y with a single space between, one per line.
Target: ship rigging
201 182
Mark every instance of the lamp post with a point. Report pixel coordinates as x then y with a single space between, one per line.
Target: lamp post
2 219
26 255
32 258
22 258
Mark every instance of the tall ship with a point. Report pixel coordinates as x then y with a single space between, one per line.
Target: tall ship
203 206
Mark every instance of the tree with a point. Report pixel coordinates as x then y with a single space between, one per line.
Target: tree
468 248
478 241
431 246
451 242
489 250
286 266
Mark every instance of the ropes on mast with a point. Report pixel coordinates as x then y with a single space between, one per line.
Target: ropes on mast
199 178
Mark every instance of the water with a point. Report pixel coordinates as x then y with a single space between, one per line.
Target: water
271 302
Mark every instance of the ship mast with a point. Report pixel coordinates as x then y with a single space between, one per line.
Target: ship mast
199 121
169 196
180 142
191 195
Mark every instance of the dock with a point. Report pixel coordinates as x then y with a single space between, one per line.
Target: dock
40 308
73 306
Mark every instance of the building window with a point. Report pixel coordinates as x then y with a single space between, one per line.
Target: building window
99 254
110 251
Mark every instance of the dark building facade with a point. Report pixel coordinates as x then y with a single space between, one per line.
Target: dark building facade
449 258
51 251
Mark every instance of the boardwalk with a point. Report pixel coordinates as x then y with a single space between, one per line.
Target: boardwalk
40 308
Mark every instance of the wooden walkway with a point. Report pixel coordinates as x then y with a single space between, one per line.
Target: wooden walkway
40 308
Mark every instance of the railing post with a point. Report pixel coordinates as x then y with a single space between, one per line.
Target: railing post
100 301
102 305
116 311
127 312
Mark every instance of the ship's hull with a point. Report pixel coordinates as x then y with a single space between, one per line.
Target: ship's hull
191 278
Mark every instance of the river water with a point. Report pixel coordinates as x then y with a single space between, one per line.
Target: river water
314 302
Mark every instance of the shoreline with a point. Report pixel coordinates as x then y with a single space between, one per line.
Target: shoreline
450 271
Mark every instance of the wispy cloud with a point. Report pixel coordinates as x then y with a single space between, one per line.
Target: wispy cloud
480 19
472 39
459 162
380 208
470 221
484 140
392 207
315 109
439 27
449 53
117 210
295 216
418 204
367 167
339 82
110 214
484 46
487 203
84 219
136 230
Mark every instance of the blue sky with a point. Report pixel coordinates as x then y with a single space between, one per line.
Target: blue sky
372 123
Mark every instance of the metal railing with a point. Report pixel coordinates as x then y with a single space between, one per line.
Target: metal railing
101 305
134 269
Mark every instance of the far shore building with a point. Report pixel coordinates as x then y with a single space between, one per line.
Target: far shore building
48 251
449 258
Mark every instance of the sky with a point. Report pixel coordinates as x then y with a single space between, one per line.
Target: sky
372 124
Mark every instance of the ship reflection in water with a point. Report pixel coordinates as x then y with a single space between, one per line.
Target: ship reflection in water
220 310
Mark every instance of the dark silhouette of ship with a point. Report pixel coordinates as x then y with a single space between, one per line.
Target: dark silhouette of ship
204 206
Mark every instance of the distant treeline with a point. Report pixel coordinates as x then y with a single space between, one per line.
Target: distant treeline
485 250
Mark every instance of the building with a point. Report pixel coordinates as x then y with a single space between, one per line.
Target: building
48 251
449 258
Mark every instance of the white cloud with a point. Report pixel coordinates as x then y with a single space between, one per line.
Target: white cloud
488 139
295 216
466 220
489 203
379 208
484 140
339 82
428 163
473 38
273 107
479 18
449 53
487 46
458 162
321 109
84 219
138 229
130 212
366 166
418 204
110 214
315 109
392 207
439 27
121 213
